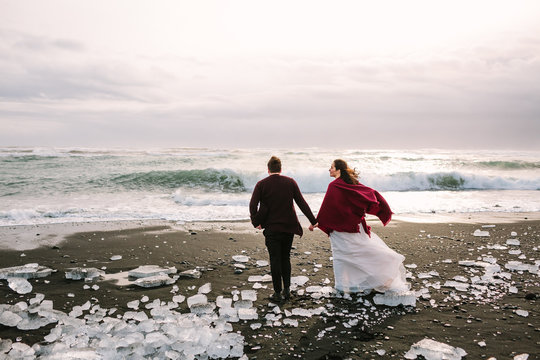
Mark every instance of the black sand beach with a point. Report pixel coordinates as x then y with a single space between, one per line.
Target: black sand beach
484 325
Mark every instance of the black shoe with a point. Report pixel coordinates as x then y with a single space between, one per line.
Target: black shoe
286 294
276 297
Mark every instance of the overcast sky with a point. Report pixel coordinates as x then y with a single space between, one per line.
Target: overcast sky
270 73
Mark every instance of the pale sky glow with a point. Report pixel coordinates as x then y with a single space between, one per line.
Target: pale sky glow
356 74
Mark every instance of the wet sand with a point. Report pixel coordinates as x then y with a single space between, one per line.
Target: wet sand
453 317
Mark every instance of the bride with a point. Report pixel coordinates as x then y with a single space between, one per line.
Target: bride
362 261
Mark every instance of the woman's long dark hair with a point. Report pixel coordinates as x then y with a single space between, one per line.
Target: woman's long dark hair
350 176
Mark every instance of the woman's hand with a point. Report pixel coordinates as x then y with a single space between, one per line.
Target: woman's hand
311 227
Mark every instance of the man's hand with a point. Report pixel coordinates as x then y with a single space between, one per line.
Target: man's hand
311 227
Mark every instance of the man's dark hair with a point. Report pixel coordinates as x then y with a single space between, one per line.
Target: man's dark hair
274 164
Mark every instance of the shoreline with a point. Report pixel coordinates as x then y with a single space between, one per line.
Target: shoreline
26 237
482 320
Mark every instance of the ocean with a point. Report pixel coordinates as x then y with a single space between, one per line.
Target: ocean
54 185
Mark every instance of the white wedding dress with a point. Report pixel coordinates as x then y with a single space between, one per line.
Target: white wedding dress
363 263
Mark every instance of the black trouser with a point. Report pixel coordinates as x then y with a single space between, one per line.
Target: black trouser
279 248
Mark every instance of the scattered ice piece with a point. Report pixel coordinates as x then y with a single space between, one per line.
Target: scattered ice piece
239 266
482 343
153 281
513 233
19 285
255 326
488 226
8 318
247 314
249 295
461 278
178 298
299 280
497 247
523 313
521 357
519 266
133 304
262 263
434 350
447 261
390 298
197 300
259 278
95 287
194 274
307 252
381 352
71 295
28 271
150 270
223 302
457 285
514 252
116 257
411 266
200 309
80 273
205 289
241 258
514 242
479 232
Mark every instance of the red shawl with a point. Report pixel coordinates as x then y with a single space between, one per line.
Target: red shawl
345 206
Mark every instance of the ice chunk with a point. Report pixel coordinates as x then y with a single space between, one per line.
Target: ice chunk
519 266
243 304
8 318
150 270
133 304
201 309
247 314
205 289
513 233
434 350
390 298
153 281
299 280
179 299
262 263
194 274
28 271
255 326
488 226
514 242
249 295
521 357
223 302
5 345
457 285
240 258
290 322
198 299
116 257
19 285
479 232
258 278
523 313
80 273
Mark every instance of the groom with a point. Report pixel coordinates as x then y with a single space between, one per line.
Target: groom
271 207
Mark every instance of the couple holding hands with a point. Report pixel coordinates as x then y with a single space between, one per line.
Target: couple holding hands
362 261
